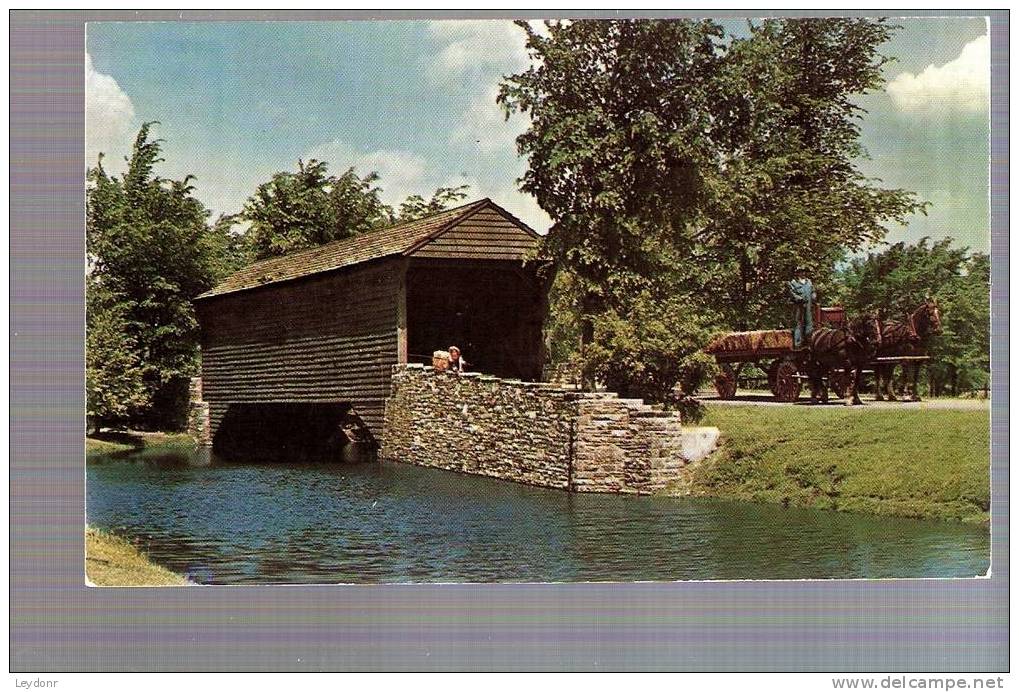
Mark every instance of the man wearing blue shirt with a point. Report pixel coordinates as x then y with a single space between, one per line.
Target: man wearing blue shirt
801 292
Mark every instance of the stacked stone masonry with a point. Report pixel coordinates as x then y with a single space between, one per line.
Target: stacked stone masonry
533 433
199 426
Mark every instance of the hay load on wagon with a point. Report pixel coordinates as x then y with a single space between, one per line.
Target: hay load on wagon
760 341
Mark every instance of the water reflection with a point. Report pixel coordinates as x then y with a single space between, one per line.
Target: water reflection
369 522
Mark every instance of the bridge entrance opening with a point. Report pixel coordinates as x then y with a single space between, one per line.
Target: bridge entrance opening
292 432
493 313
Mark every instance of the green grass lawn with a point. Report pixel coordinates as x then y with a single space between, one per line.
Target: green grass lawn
112 561
931 463
115 442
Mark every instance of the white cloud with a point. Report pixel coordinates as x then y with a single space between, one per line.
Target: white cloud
525 208
960 86
472 56
109 117
473 49
404 173
484 128
401 172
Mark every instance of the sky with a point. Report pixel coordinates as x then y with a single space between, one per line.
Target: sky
415 101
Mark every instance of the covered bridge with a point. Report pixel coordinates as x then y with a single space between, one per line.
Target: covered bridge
325 326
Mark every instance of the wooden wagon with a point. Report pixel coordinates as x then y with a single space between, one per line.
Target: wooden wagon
771 350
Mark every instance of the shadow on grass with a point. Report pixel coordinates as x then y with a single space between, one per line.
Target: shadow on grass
132 440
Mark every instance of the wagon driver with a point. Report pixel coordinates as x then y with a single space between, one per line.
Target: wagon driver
802 294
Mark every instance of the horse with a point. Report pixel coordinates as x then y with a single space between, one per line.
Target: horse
908 337
848 348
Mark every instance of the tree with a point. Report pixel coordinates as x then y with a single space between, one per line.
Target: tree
309 207
653 345
294 211
788 189
416 206
667 152
114 374
232 247
894 281
150 252
615 151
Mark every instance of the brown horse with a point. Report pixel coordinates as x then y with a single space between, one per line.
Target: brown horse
908 337
848 349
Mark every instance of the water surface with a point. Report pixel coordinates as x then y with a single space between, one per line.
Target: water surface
236 523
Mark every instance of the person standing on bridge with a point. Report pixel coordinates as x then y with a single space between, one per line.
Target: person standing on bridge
803 296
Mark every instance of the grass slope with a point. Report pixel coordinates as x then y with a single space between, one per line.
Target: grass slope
916 463
112 561
116 442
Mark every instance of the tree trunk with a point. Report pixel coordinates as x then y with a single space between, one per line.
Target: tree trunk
590 306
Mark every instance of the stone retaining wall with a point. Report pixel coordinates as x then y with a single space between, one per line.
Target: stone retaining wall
199 426
532 433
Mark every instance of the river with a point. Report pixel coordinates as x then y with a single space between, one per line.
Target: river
240 523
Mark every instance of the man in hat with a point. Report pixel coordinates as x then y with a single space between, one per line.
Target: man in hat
801 292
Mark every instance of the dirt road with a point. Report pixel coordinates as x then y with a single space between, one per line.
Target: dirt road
766 399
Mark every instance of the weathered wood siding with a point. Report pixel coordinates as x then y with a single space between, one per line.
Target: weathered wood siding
327 338
485 235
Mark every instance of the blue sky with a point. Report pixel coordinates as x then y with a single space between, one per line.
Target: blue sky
414 101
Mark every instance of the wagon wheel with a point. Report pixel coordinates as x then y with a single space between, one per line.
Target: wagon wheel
773 376
838 380
787 384
725 382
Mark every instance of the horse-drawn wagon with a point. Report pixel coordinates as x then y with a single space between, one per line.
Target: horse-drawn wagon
774 352
894 343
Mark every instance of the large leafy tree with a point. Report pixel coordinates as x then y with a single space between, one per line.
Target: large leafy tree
310 207
616 148
150 251
895 280
416 206
668 153
786 189
114 373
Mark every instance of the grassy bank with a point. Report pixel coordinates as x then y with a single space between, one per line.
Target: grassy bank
929 463
112 561
117 442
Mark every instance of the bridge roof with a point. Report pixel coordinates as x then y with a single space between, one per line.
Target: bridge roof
399 239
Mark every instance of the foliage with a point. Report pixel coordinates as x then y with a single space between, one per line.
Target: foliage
234 247
114 375
674 157
649 349
896 280
416 206
309 207
562 329
613 148
150 251
298 210
786 190
918 463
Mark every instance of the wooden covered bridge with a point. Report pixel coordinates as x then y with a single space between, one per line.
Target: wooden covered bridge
325 326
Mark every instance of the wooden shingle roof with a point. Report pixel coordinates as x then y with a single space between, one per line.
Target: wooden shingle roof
400 239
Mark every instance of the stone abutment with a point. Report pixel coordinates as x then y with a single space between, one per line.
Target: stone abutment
534 433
